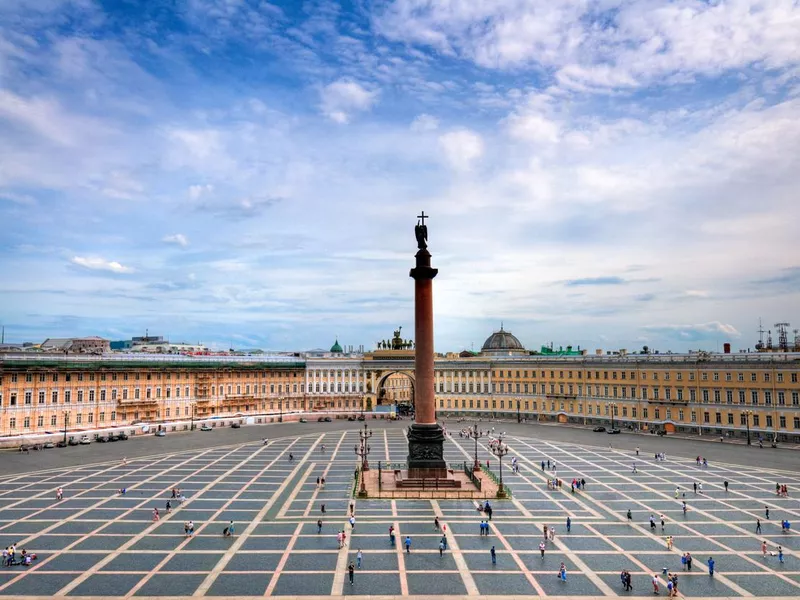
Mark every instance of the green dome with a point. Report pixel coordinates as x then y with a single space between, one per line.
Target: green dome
336 348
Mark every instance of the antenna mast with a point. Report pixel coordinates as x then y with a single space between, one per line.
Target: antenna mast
783 337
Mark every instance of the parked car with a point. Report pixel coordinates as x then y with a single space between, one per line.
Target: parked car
61 444
85 441
327 419
123 436
49 445
362 418
205 427
161 433
73 442
599 429
613 431
351 418
320 419
236 425
304 420
102 439
113 437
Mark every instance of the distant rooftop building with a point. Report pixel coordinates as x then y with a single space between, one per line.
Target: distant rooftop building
336 348
85 345
503 343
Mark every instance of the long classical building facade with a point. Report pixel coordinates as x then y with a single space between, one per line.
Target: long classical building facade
708 394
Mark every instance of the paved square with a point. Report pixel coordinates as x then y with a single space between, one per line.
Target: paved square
101 544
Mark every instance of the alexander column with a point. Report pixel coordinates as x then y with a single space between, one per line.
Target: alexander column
425 436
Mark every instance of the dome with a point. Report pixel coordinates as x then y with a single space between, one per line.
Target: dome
502 342
336 348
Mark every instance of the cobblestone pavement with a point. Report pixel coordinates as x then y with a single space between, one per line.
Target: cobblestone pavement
98 543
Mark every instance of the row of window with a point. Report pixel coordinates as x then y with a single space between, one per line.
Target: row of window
623 375
596 410
54 377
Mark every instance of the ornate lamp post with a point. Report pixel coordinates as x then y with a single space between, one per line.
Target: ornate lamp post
747 414
280 410
66 421
519 419
364 436
500 449
475 434
192 410
612 407
362 451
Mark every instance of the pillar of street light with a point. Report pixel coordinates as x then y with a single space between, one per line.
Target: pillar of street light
362 451
475 435
500 450
280 410
363 437
747 414
193 410
66 420
519 419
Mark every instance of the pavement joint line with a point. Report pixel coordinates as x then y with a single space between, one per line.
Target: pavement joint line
187 540
732 585
168 517
240 540
273 581
401 560
515 557
81 539
461 564
314 495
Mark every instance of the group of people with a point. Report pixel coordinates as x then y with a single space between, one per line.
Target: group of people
702 462
781 490
11 559
672 584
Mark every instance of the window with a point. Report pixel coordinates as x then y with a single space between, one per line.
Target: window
718 418
54 397
41 397
716 397
741 396
28 397
91 417
729 396
113 415
730 418
102 417
705 396
752 377
79 419
704 376
26 423
769 420
728 377
680 394
53 420
767 377
768 397
780 377
680 414
40 421
754 397
67 396
80 395
694 416
740 377
706 417
656 413
756 420
12 423
795 398
781 398
91 395
742 419
693 395
782 422
644 413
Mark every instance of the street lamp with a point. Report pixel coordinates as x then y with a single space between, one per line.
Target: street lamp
519 419
500 449
363 436
747 414
193 410
612 406
475 434
66 420
362 451
280 410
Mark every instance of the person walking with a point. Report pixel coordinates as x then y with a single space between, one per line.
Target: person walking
662 523
391 535
569 524
695 487
319 525
628 586
155 515
168 507
689 561
758 525
780 554
766 512
352 523
552 534
562 573
408 544
710 566
494 555
359 556
630 516
725 483
339 539
322 509
655 584
436 523
764 549
441 548
317 481
542 549
351 570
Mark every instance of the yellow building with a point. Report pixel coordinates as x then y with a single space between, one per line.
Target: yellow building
709 394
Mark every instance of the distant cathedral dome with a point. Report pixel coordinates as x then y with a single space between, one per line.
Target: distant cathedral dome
502 343
336 348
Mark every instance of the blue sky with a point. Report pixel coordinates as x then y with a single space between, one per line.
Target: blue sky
604 173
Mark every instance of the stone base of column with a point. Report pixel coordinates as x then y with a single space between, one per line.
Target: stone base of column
426 450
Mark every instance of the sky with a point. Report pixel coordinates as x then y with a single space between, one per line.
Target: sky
601 173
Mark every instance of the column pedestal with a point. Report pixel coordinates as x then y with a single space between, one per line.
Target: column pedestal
426 451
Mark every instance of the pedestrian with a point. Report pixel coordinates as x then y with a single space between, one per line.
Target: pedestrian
190 528
583 483
710 566
542 549
630 516
700 487
319 525
652 522
662 523
352 508
655 584
155 514
764 549
766 512
684 508
436 523
322 508
780 554
562 573
317 481
441 548
552 534
669 542
637 450
408 544
758 525
695 487
391 535
351 570
339 539
542 465
60 494
683 561
670 587
725 483
494 555
569 524
230 529
689 561
352 523
359 556
168 507
322 482
628 586
545 530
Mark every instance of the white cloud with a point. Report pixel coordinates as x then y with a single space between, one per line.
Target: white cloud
344 97
178 239
424 122
604 43
99 264
197 191
22 199
700 331
462 148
